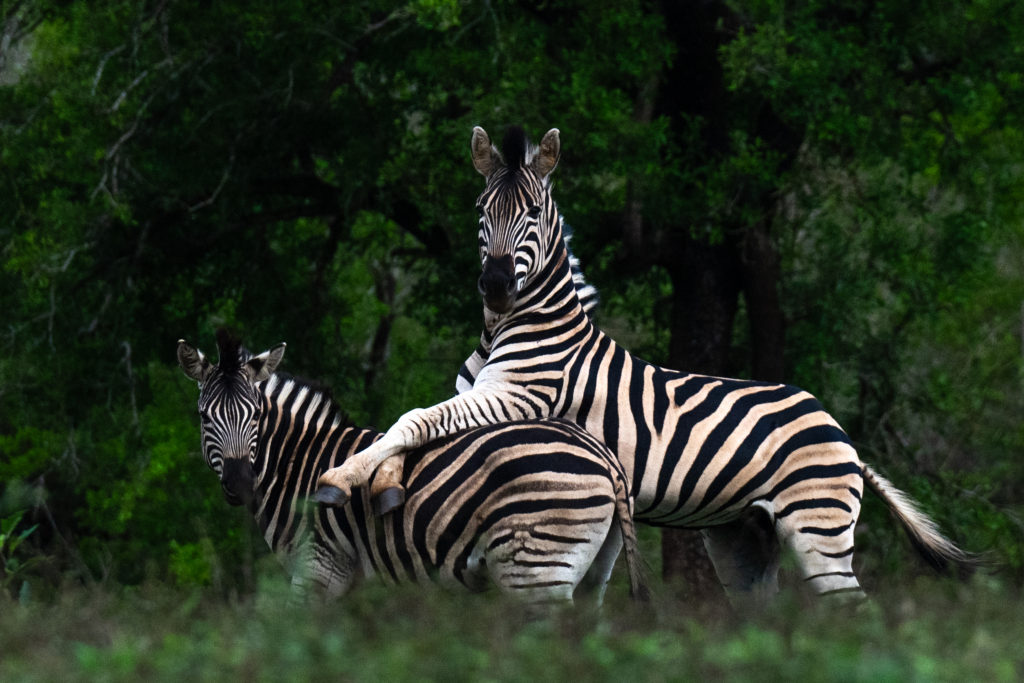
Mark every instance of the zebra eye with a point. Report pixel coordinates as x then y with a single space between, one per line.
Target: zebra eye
480 210
534 211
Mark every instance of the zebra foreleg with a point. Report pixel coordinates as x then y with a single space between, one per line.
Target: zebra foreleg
386 489
475 408
334 487
320 573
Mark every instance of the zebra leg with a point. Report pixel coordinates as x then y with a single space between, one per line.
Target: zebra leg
542 564
332 573
334 487
595 582
320 573
745 554
473 408
386 490
819 532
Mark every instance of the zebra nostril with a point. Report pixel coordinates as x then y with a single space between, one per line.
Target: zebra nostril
510 287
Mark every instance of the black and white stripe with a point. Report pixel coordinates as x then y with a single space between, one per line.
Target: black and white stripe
732 457
585 292
538 508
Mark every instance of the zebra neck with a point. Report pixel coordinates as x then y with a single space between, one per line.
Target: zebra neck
302 432
548 297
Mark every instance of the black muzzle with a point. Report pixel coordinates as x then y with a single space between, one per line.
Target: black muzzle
497 284
238 481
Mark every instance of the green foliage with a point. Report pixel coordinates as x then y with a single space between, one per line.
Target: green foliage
190 563
299 172
27 452
15 566
926 631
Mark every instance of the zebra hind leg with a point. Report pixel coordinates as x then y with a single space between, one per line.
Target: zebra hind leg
542 564
823 549
595 581
745 554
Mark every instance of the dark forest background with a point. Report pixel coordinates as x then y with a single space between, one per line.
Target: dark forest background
827 193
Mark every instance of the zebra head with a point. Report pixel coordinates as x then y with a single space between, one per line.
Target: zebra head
229 409
518 218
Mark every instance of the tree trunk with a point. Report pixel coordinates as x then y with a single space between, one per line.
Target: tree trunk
705 287
376 362
707 279
761 273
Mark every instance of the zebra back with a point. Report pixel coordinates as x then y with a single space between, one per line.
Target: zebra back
485 492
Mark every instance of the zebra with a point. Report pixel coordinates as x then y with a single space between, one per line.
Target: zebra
589 300
538 507
730 457
386 491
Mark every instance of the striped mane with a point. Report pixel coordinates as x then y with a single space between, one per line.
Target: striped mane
517 155
280 381
232 355
589 297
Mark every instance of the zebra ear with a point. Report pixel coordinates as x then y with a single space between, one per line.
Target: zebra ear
261 367
192 361
546 159
485 158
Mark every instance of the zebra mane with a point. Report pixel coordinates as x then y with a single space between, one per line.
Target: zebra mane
515 148
517 153
231 353
281 379
587 293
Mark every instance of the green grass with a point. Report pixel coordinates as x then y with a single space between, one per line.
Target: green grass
933 630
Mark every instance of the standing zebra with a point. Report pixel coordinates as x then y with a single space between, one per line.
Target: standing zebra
722 455
536 507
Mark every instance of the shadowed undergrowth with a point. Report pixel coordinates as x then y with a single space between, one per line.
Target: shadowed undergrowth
932 630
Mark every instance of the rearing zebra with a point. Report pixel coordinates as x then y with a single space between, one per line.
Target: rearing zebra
386 491
700 452
537 508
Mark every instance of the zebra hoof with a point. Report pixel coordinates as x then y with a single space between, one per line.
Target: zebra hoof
331 496
389 499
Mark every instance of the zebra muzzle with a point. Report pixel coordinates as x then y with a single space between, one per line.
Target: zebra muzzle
497 283
238 481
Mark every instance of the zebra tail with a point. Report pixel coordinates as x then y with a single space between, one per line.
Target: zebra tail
940 552
639 589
